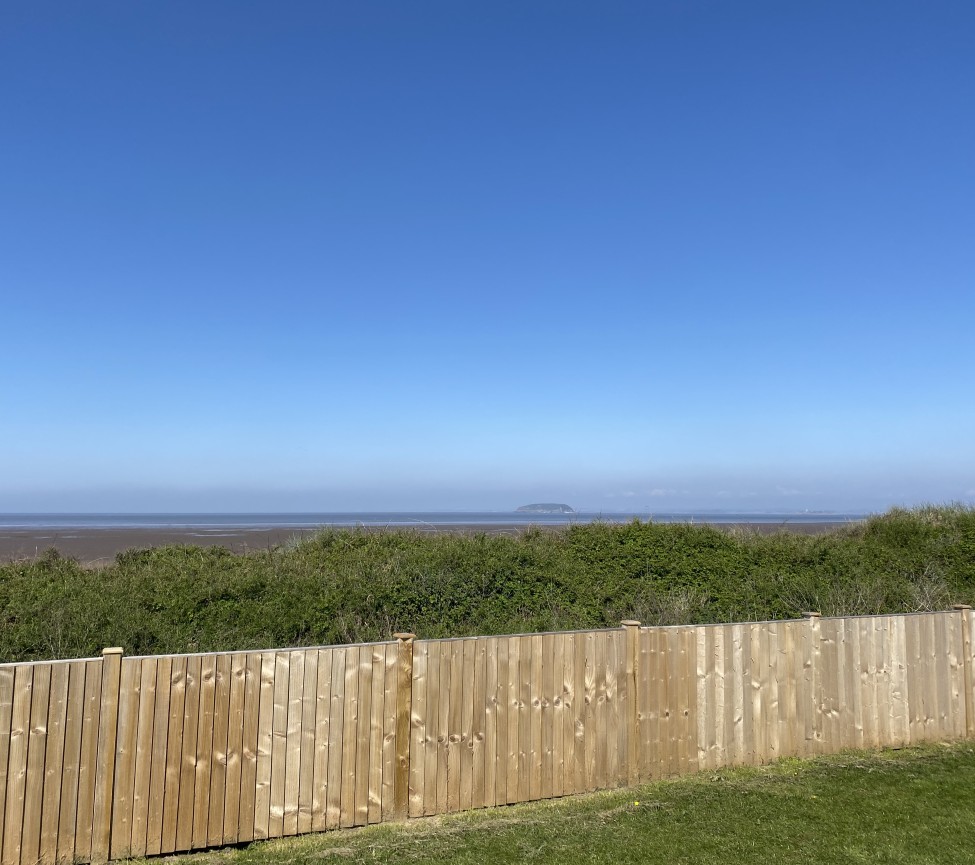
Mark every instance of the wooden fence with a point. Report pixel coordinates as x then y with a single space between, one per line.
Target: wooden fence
115 756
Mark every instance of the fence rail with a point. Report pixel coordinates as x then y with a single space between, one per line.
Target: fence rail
112 757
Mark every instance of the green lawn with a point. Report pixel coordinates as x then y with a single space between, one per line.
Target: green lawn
913 805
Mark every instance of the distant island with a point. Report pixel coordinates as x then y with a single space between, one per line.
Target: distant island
545 508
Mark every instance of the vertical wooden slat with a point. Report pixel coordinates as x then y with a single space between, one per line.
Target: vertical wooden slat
613 743
143 757
125 757
535 689
546 688
20 722
292 771
159 754
810 691
323 699
7 674
956 698
105 762
559 696
882 639
601 669
74 727
930 684
187 772
721 694
748 696
467 725
235 679
36 753
705 694
967 683
687 695
900 718
336 728
513 758
773 706
279 743
250 746
376 724
265 746
455 723
843 691
85 820
915 703
433 738
361 798
580 699
204 751
590 714
54 762
829 686
309 730
868 668
443 725
737 739
390 687
404 708
491 664
419 735
567 754
654 657
942 673
216 790
503 712
478 724
350 738
174 754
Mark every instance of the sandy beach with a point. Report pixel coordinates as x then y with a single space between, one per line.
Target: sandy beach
99 546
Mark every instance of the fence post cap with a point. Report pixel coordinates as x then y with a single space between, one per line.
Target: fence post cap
114 650
630 623
961 606
404 636
812 614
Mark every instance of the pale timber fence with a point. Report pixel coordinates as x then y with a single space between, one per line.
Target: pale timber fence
117 756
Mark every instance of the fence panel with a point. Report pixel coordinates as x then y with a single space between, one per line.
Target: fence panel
112 757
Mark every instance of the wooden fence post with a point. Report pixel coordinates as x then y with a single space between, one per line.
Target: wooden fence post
404 711
966 666
814 708
631 628
101 833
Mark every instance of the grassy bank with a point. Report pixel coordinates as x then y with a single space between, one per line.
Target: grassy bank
909 806
346 586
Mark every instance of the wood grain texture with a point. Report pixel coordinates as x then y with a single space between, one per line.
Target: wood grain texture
143 757
308 725
219 758
71 762
159 755
323 715
105 761
57 717
36 752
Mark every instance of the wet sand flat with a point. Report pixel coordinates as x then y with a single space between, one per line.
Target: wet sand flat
100 545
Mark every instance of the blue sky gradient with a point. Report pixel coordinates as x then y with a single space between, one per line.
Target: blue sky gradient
324 256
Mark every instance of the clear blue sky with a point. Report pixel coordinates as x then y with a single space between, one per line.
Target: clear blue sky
323 256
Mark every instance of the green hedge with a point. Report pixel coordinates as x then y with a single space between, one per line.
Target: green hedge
350 586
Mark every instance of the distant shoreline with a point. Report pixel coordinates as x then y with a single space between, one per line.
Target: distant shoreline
99 546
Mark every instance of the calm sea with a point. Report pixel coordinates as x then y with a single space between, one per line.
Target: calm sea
398 519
